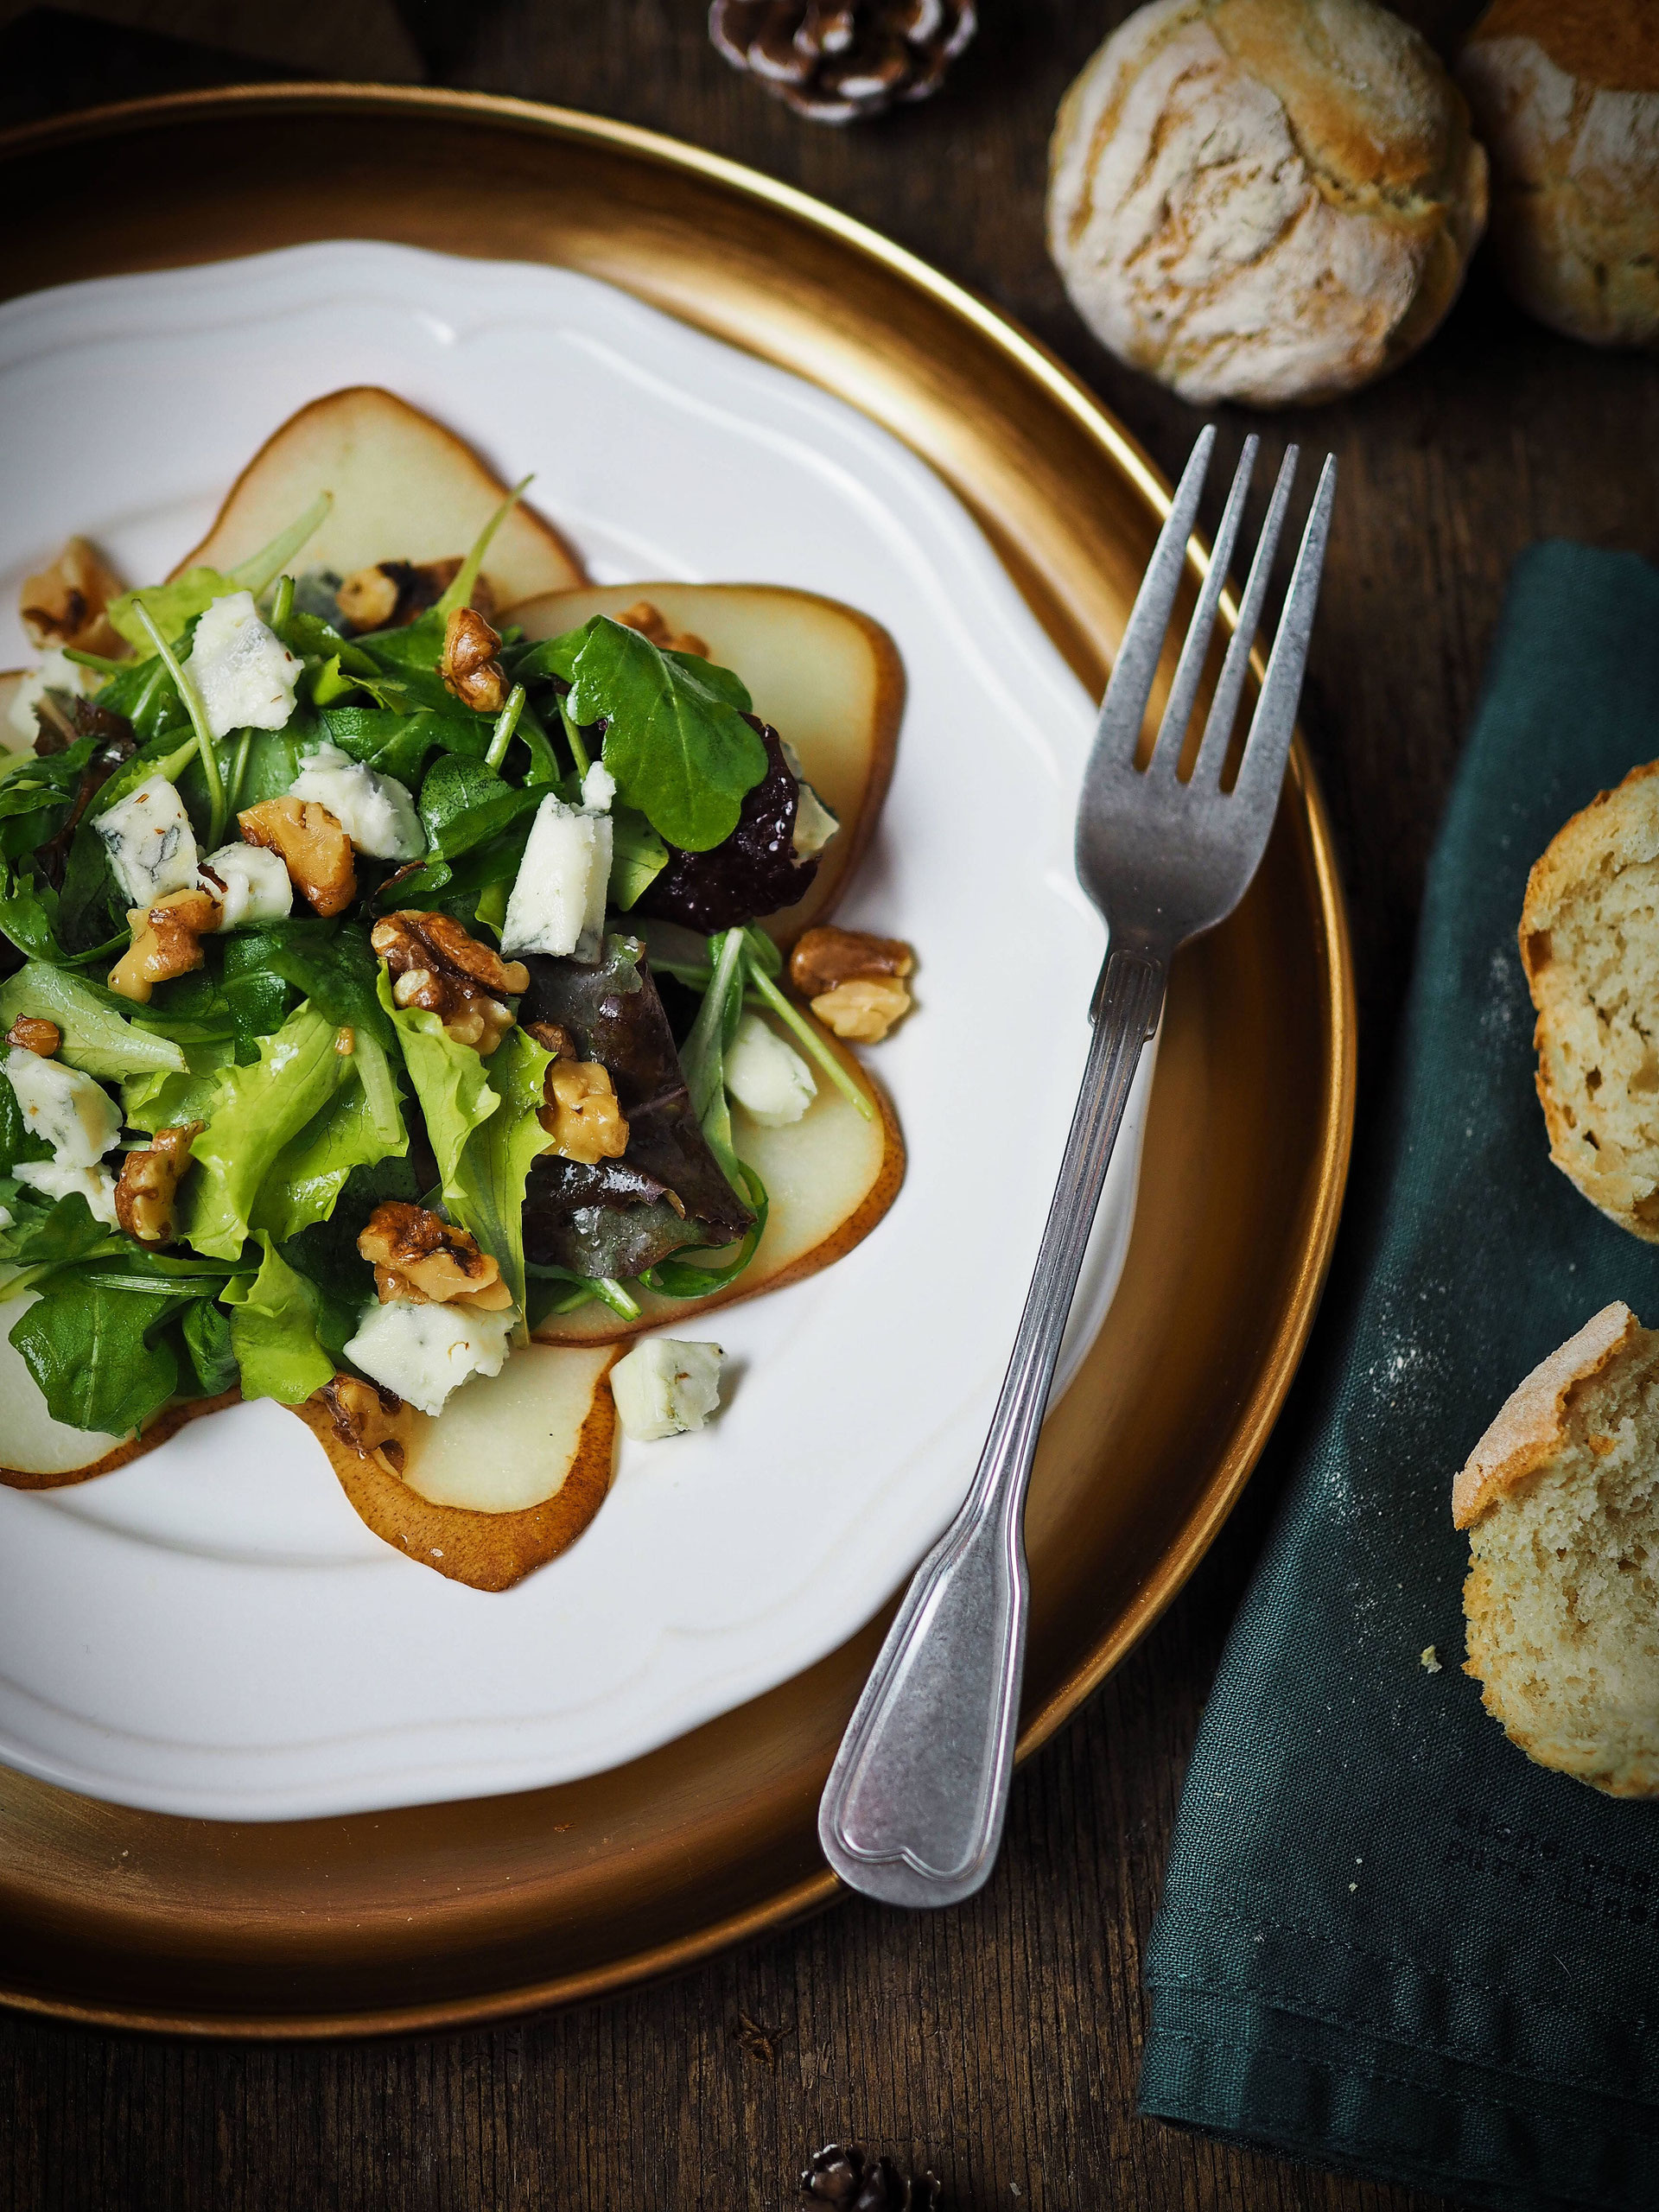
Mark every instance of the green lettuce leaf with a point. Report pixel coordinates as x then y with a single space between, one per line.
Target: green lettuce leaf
489 1190
450 1081
274 1332
309 1174
163 1101
638 857
97 1037
258 1110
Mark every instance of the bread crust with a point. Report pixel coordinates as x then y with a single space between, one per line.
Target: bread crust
1618 831
1566 95
1271 200
1531 1423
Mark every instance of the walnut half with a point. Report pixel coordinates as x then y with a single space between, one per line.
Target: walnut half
149 1180
312 845
855 980
392 594
65 604
581 1115
650 622
436 966
35 1034
417 1256
166 942
368 1418
469 667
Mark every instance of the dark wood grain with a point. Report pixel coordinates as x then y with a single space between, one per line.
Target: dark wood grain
1000 2041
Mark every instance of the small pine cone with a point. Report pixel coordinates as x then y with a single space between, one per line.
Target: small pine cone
843 2177
834 60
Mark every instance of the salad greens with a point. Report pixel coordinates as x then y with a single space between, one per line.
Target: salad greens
281 1066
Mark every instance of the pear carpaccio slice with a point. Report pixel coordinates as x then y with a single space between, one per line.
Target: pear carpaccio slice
829 1178
404 489
828 679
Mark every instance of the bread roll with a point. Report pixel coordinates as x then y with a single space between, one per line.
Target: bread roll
1590 947
1565 94
1269 200
1560 1498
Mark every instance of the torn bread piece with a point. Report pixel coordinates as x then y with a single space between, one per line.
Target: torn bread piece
1560 1499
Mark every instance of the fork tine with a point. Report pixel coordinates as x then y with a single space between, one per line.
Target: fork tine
1178 711
1218 728
1118 731
1264 765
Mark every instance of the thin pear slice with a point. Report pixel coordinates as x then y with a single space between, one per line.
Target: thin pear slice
828 679
404 489
504 1479
829 1178
46 1454
10 679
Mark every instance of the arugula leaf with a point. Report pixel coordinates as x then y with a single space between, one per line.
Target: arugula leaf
274 1332
100 1354
722 681
450 1081
495 1161
638 857
332 962
463 803
702 1055
306 1177
257 996
206 1330
680 751
172 606
98 1037
395 742
257 1110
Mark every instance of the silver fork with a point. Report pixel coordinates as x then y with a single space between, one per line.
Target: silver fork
913 1812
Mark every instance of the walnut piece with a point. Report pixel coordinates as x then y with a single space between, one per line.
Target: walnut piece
418 1255
436 966
394 592
825 957
367 1417
166 942
581 1115
35 1034
650 622
469 667
313 846
149 1181
863 1008
553 1037
65 605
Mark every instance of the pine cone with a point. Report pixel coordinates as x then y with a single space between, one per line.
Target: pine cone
833 60
843 2177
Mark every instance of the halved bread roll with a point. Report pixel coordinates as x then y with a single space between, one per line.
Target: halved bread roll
1590 946
1560 1498
404 489
828 679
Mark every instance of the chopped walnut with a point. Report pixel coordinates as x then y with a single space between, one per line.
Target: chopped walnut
469 667
825 957
863 1008
166 942
394 592
417 1256
581 1115
313 846
65 605
149 1180
650 622
35 1035
553 1037
436 966
368 1418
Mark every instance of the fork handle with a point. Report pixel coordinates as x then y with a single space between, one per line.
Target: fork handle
913 1812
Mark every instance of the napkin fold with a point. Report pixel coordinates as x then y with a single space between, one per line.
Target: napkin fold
1388 1940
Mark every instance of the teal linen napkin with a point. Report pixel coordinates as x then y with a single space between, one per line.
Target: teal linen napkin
1388 1940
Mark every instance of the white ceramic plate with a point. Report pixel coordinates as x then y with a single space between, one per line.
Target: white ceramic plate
211 1630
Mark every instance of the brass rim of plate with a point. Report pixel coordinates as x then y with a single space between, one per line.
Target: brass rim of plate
437 1915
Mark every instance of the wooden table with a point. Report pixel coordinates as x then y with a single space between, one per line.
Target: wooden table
1001 2042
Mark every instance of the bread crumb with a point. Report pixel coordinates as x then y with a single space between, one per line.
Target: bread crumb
1430 1660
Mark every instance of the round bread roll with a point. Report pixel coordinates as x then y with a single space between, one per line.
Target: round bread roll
1565 94
1560 1498
1590 946
1269 200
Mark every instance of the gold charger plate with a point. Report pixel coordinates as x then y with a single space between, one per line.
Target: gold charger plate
448 1913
